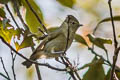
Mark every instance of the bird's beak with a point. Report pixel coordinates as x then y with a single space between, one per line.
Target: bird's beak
80 25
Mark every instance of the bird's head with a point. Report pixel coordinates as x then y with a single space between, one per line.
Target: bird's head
73 22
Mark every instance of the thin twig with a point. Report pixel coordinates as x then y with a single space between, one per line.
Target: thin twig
5 68
38 72
4 76
36 67
13 70
19 15
77 75
116 51
114 62
36 16
67 66
12 16
93 52
113 26
34 62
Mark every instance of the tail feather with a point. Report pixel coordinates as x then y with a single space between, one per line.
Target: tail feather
27 64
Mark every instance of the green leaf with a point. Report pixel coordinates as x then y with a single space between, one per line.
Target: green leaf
17 33
8 31
30 73
99 42
117 72
118 36
2 13
5 32
27 42
80 39
91 64
67 3
4 1
31 20
107 77
116 18
95 72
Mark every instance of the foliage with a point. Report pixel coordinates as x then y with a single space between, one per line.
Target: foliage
24 38
95 71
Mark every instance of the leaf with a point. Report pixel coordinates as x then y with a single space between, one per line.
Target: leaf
89 5
31 20
91 64
17 33
5 22
30 73
8 31
80 39
16 45
99 42
117 72
4 1
2 13
27 42
118 36
116 18
67 3
5 32
95 72
107 77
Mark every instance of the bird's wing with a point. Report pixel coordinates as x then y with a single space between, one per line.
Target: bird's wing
50 37
53 34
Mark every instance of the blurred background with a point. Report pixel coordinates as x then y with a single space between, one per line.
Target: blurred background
89 13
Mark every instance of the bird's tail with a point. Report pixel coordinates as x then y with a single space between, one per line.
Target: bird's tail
27 64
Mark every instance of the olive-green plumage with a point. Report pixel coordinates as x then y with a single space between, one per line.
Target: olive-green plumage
55 43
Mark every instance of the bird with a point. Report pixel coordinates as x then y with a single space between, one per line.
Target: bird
54 45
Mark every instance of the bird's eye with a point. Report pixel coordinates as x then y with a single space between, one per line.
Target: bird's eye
73 22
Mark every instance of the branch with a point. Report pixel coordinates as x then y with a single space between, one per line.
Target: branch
19 15
34 62
12 16
13 60
38 72
114 62
67 66
93 52
116 51
37 17
113 26
4 76
5 68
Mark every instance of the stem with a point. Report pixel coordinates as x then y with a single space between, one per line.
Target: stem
13 60
5 68
12 16
38 72
116 51
34 62
37 17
